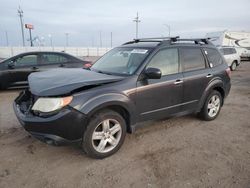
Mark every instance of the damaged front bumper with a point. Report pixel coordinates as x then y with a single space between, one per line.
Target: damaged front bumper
67 125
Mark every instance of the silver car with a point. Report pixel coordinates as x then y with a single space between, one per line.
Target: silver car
231 56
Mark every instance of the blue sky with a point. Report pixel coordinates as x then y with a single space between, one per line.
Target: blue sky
84 20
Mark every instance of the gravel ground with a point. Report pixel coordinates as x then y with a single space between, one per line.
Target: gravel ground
178 152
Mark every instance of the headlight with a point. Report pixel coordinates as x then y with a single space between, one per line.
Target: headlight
51 104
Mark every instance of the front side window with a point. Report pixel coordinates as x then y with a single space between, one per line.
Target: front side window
192 59
27 60
121 61
166 60
214 57
53 59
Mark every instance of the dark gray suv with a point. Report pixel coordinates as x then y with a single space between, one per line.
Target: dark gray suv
141 80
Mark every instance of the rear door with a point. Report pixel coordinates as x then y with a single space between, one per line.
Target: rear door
228 55
52 60
196 75
235 56
73 62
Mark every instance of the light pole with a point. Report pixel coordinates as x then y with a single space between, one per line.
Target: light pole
30 27
111 39
31 41
67 39
100 33
50 38
136 20
168 26
92 41
20 14
7 38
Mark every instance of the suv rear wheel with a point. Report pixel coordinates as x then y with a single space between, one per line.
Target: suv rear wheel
212 106
233 66
104 135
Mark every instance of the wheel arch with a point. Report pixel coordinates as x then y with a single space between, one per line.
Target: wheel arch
116 102
214 85
117 108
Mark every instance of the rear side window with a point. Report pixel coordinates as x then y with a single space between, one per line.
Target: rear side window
192 59
53 59
214 57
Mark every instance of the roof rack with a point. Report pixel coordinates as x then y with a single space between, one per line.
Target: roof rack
155 39
171 40
197 40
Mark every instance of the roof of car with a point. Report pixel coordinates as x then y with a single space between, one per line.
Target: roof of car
36 52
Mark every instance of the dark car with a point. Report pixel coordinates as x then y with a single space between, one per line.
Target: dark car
141 80
15 70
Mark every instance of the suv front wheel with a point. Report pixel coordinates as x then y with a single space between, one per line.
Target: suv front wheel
212 106
104 134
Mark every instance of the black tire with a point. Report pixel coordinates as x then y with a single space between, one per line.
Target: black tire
233 66
205 111
88 145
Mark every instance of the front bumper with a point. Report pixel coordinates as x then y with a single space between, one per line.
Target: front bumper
67 125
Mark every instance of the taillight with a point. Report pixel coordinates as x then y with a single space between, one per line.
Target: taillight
228 72
87 65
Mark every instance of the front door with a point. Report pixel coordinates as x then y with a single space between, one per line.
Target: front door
22 67
158 98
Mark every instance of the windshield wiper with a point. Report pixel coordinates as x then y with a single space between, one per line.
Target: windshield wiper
99 71
105 73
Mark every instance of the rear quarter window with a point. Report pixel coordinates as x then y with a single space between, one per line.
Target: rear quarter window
227 51
214 57
233 51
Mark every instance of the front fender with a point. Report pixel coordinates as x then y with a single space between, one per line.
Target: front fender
109 99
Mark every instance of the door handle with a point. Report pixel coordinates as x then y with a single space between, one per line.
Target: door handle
209 75
178 82
34 68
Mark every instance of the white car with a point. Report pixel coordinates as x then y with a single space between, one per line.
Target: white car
231 56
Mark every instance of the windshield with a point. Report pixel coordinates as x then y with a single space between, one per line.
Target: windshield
121 61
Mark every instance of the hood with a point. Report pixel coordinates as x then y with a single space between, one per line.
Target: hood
63 81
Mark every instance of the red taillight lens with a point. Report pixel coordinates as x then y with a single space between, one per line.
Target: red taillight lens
87 65
228 72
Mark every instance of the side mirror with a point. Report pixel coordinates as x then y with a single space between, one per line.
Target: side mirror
153 73
11 65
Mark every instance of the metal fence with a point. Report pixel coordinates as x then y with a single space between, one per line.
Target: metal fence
6 52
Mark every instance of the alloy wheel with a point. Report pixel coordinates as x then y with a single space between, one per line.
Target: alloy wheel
213 106
106 135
